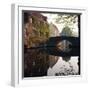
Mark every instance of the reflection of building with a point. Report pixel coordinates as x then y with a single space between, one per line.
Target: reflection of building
53 30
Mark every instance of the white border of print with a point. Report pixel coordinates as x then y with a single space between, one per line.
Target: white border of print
16 41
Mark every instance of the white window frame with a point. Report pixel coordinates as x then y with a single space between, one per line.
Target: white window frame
16 63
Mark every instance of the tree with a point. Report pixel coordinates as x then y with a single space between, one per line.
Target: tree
67 19
66 31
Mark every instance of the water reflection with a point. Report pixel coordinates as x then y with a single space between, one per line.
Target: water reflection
37 62
64 68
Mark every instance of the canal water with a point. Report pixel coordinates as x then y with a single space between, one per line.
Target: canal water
64 68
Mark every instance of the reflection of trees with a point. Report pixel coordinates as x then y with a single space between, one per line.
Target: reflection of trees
35 63
64 71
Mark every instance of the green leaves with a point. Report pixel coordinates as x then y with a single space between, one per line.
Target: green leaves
66 19
66 31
